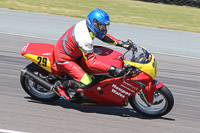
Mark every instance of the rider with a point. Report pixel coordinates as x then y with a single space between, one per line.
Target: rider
77 42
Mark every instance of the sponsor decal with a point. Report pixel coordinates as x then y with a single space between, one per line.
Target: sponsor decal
119 91
89 45
127 88
130 85
25 47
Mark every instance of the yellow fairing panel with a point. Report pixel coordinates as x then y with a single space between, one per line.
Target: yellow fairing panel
149 68
42 61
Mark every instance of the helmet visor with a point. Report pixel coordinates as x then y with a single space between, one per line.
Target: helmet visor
102 27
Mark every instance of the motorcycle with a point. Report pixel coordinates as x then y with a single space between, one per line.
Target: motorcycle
138 86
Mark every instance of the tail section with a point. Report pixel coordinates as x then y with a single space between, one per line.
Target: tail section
40 53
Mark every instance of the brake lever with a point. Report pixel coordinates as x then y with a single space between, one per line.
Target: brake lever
126 74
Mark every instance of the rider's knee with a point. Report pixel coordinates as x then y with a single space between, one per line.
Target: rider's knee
86 80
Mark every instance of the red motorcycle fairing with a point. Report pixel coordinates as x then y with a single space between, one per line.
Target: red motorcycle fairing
42 54
150 89
116 91
39 53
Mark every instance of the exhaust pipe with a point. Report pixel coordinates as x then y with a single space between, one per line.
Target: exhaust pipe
37 79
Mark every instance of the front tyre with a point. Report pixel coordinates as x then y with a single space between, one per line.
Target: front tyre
33 89
162 104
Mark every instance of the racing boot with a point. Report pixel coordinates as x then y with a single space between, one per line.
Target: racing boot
79 88
61 90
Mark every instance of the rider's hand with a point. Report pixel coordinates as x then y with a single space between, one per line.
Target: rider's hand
127 45
116 72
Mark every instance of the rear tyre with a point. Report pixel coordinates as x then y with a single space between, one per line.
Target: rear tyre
33 89
162 104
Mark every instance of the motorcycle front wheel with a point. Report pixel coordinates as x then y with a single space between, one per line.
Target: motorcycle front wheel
35 90
162 104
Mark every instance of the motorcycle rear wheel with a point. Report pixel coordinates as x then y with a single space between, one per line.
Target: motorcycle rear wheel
162 104
33 89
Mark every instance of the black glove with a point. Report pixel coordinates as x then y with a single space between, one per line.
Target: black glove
116 72
127 45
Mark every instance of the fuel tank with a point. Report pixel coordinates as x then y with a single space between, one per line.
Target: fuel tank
106 55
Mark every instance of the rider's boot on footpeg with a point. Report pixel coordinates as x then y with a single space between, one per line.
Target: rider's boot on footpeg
61 90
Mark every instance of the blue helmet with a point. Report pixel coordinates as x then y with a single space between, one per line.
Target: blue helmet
98 22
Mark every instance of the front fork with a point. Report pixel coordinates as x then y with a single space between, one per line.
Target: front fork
148 91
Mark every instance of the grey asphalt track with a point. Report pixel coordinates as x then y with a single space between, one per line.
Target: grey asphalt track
20 112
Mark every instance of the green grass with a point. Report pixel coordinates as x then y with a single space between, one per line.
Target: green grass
121 11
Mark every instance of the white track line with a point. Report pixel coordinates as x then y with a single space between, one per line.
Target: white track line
16 34
10 131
